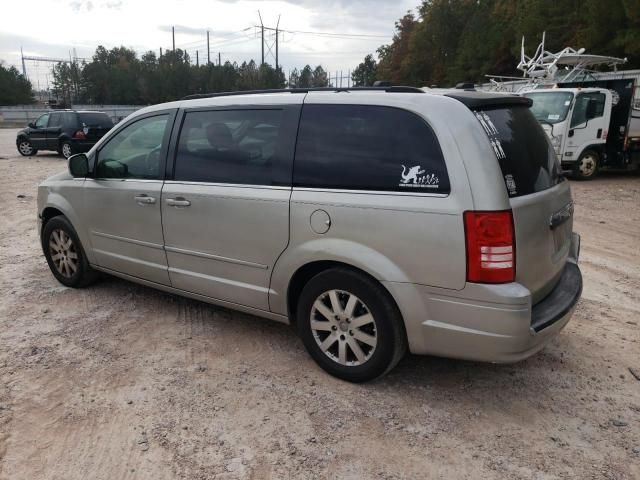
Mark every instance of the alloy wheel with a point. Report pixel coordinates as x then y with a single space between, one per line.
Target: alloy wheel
63 253
66 150
343 327
25 148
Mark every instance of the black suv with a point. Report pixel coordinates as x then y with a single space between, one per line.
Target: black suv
66 132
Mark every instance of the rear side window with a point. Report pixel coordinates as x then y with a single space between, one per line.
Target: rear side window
526 158
362 147
55 120
71 120
96 119
249 146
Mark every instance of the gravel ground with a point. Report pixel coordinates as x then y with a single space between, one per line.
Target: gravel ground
119 381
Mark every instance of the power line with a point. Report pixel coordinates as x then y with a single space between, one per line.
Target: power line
329 34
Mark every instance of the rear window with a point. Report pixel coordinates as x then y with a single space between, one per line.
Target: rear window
525 155
362 147
96 120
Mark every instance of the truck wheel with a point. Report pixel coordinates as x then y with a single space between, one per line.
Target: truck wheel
350 325
586 168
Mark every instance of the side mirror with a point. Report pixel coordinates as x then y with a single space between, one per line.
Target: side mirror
31 125
79 165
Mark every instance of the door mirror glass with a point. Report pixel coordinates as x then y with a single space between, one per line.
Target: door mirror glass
79 165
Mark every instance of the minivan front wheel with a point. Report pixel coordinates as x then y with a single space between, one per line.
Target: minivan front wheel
65 255
350 325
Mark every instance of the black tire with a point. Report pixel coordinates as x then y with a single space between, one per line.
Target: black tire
25 147
388 327
66 149
53 235
586 168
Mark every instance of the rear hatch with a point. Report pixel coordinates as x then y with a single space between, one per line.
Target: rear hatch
95 124
539 195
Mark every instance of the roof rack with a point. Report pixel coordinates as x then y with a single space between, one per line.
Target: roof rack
389 89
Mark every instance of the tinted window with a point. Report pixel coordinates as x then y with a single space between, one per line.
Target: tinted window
365 147
582 102
55 120
70 120
95 119
526 158
233 146
134 152
42 121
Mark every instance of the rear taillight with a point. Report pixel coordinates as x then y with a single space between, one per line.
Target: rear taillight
79 135
491 247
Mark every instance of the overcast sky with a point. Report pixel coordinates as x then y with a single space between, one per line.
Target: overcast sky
54 28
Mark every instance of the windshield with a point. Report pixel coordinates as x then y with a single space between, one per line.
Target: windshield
550 107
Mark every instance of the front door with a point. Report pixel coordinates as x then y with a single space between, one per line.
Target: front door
587 131
122 200
38 133
226 213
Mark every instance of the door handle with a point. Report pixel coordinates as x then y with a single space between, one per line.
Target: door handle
178 202
144 199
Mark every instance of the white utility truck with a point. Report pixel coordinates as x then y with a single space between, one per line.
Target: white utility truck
592 125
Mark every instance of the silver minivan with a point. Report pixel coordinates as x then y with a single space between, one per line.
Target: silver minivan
374 220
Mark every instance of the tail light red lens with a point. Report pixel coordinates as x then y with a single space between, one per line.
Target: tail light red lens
491 247
79 135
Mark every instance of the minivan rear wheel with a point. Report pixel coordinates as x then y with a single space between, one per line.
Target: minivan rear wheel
65 255
350 325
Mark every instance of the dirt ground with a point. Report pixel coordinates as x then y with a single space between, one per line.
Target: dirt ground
119 381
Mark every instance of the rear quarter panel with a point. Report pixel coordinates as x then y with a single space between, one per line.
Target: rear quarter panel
395 237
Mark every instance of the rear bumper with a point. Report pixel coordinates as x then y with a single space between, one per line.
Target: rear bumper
491 323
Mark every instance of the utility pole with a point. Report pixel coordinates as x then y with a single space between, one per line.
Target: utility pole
262 31
219 61
208 50
197 59
173 38
24 69
160 52
277 25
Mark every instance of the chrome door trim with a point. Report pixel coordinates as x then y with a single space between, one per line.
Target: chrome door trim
209 256
371 192
141 180
234 185
222 280
128 240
